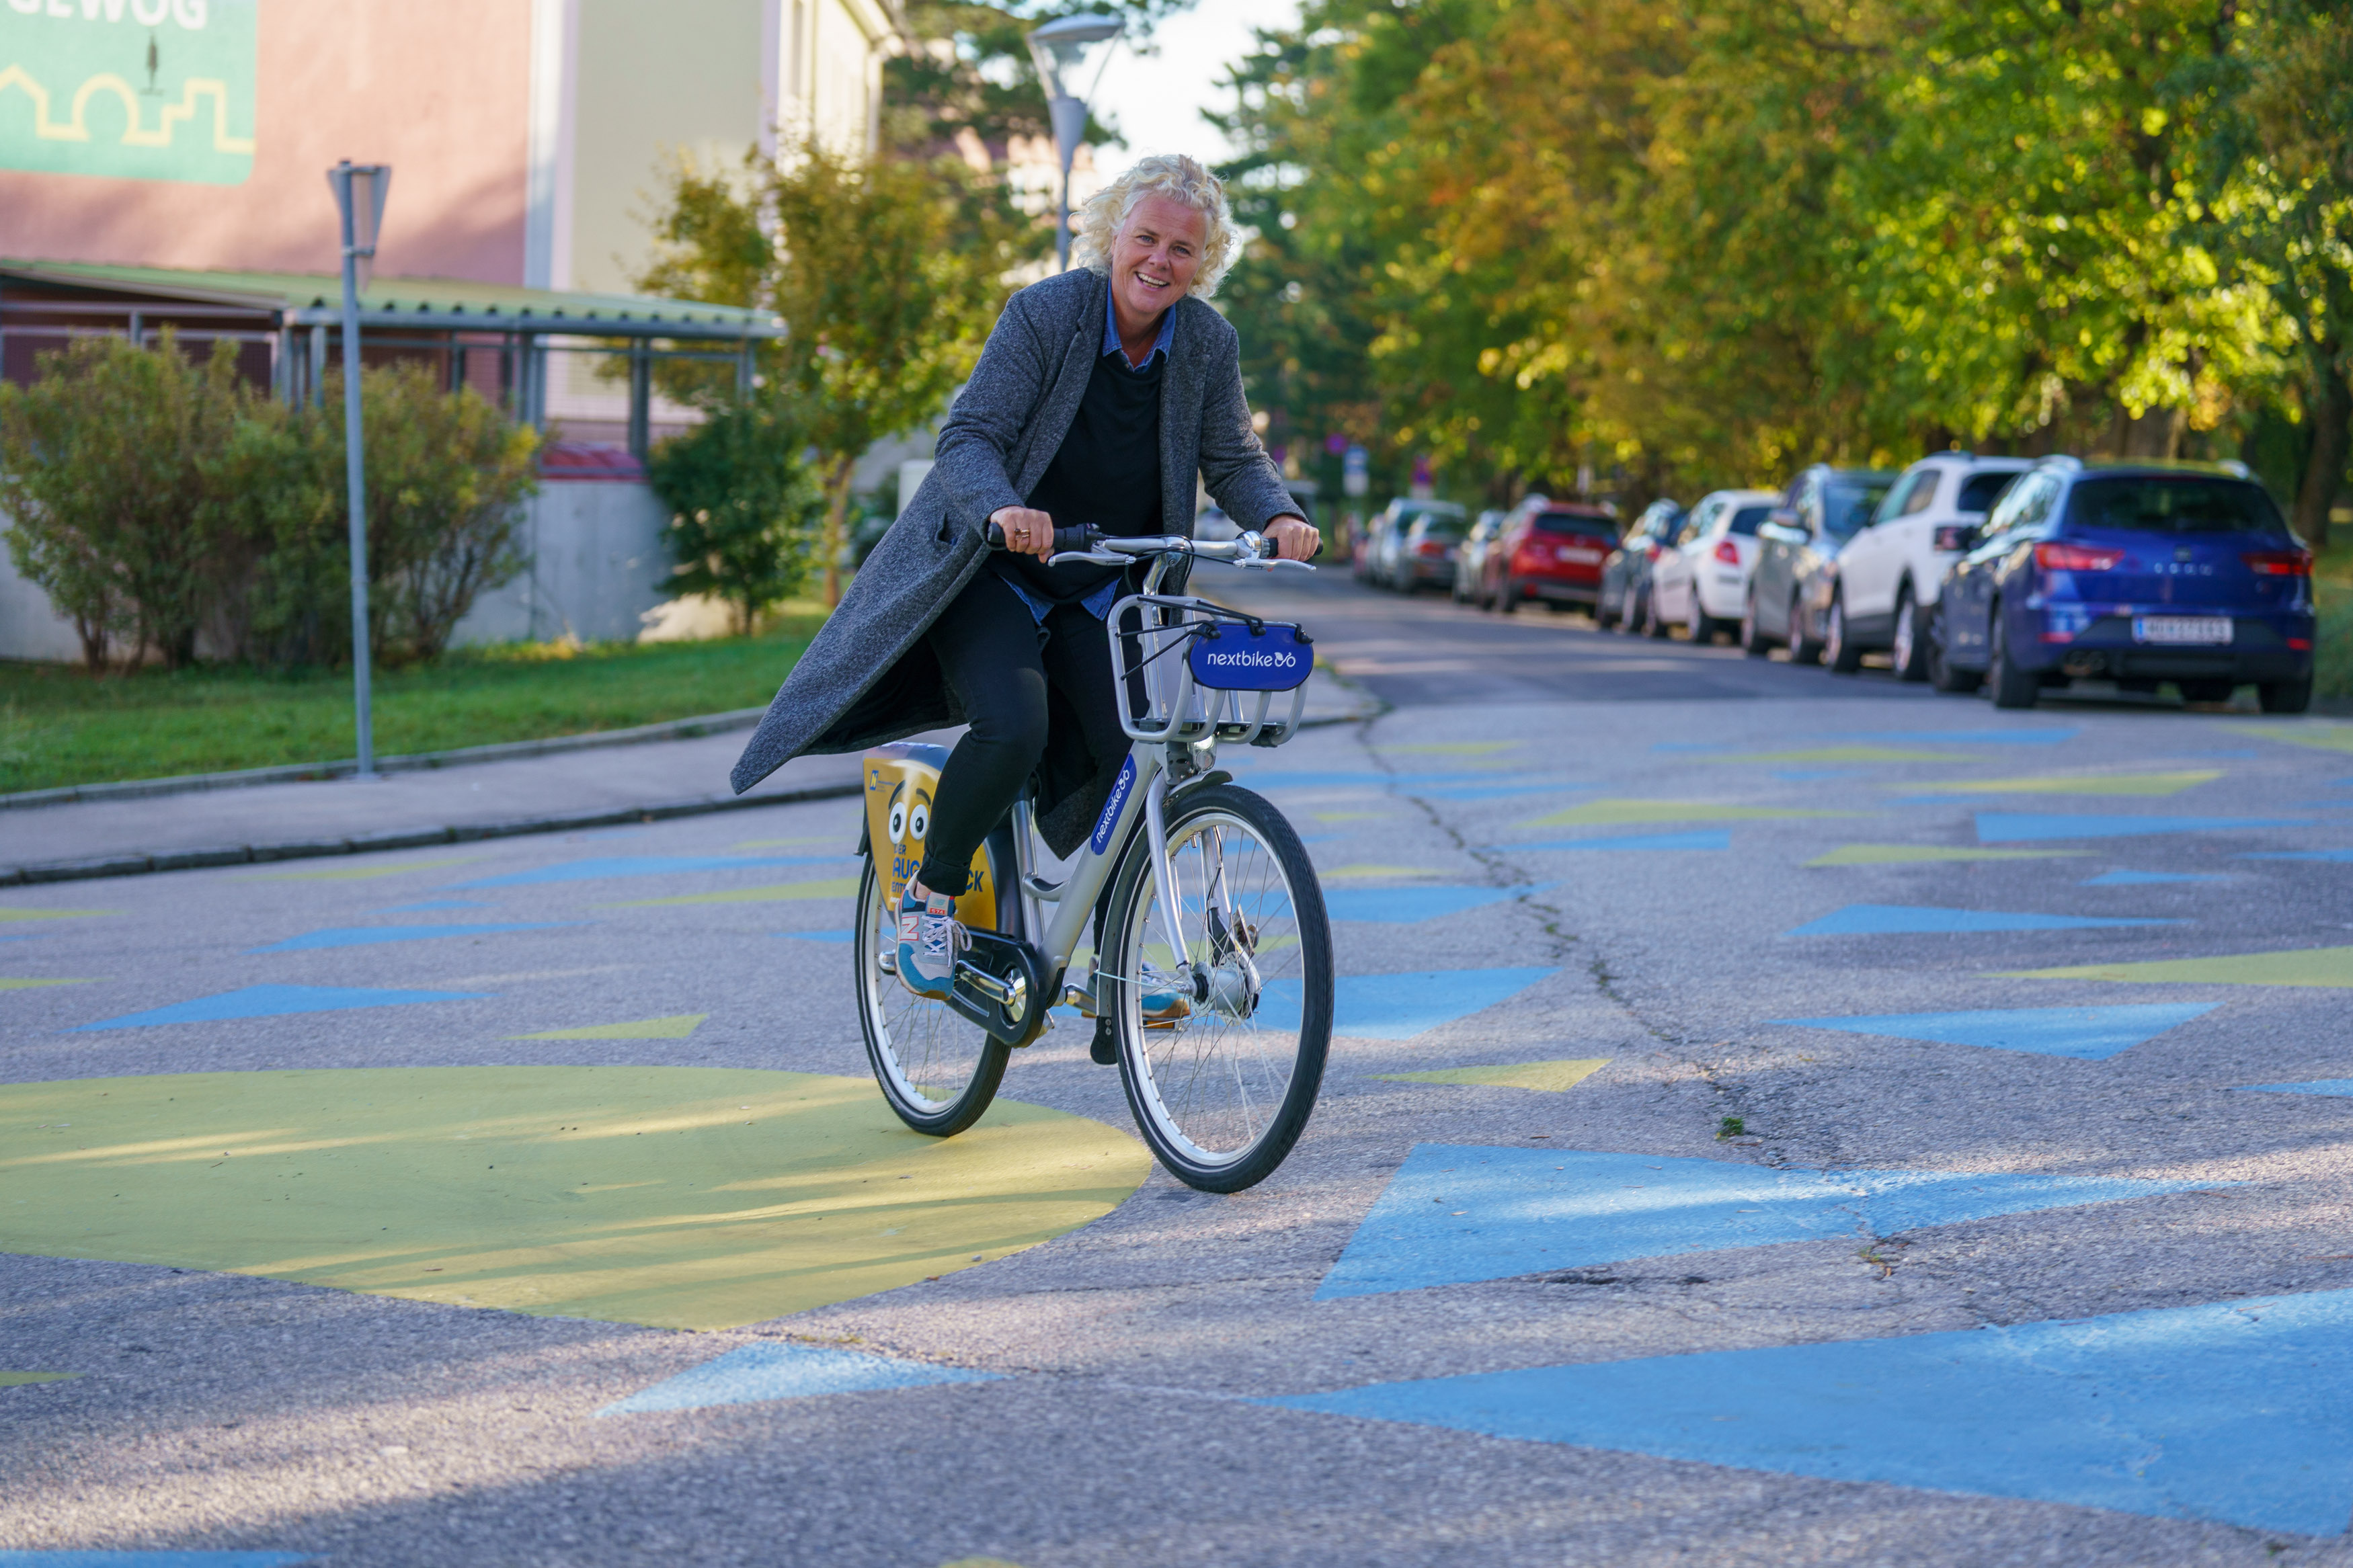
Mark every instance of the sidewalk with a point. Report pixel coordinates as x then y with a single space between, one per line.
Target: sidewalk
496 799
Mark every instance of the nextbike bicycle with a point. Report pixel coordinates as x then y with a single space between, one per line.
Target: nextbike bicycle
1213 961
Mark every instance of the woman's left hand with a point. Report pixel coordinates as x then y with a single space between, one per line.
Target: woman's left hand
1295 539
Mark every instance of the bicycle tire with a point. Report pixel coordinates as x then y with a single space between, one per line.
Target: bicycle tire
913 1043
1221 1097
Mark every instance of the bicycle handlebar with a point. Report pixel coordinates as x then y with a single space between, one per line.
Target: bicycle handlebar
1086 543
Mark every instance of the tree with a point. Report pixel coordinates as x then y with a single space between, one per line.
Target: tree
888 275
743 510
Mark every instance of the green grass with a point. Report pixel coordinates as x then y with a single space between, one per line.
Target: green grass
2332 588
59 726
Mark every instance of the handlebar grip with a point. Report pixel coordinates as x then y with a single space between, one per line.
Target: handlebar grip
1074 541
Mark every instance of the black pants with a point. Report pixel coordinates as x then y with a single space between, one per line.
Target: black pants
1001 662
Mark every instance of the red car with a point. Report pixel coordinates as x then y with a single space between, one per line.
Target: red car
1550 550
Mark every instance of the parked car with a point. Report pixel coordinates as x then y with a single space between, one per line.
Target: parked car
2137 573
1386 544
1704 580
1471 556
1823 507
1426 551
1626 571
1882 590
1547 551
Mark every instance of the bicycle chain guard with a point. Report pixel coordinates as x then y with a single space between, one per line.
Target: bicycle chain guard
1001 987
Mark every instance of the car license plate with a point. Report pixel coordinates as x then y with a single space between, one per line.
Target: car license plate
2205 630
1582 557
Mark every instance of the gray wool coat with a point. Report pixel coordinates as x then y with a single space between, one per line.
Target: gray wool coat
870 676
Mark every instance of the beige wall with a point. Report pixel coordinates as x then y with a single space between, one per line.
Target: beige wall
438 88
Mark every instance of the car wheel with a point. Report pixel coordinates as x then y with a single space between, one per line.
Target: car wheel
1944 675
1507 597
1752 639
2207 690
1840 651
1911 648
1700 626
1652 625
2285 696
1803 649
2012 687
1630 613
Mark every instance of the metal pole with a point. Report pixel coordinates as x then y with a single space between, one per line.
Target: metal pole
356 477
1069 116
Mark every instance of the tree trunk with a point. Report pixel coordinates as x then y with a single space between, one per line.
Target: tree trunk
91 629
836 524
2330 407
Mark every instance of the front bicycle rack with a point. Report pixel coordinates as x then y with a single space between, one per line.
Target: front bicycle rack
1191 671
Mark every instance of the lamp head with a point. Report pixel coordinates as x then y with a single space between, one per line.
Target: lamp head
1064 49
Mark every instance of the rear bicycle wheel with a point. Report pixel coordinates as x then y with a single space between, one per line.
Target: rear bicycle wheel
1222 1092
937 1070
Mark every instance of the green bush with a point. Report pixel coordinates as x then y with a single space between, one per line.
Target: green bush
155 500
104 468
743 510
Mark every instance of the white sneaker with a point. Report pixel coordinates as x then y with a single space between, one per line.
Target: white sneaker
930 936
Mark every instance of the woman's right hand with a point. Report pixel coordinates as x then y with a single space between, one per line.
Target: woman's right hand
1028 530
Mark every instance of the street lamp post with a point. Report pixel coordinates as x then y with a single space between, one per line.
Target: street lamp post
360 191
1062 50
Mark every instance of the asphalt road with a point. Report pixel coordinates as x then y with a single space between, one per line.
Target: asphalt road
1964 1178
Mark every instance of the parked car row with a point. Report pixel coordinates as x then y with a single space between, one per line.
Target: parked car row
2012 574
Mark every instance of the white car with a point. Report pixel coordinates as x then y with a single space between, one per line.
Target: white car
1703 580
1889 572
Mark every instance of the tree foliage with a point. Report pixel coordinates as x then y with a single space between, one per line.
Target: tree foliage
743 511
1699 243
887 273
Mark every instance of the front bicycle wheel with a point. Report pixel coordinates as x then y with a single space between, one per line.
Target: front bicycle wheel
938 1070
1223 1006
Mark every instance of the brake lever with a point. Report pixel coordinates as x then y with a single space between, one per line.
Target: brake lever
1088 557
1263 565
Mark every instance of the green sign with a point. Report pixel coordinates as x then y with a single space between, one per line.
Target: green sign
137 90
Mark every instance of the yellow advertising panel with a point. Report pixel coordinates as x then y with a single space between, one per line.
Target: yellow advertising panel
900 780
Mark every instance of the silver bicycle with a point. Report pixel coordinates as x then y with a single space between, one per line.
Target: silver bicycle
1215 968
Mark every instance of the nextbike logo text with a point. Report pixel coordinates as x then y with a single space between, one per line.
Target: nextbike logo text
1252 659
1110 817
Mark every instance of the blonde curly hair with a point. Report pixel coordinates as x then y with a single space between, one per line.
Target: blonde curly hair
1168 174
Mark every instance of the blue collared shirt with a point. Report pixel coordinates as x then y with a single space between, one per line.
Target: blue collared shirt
1159 344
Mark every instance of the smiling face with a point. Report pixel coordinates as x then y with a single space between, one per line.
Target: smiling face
1155 257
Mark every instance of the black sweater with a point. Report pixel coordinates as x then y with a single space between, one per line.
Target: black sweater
1105 474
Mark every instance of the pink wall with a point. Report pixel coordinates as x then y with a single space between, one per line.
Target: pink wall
437 88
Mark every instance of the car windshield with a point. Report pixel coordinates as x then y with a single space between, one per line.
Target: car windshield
1574 523
1446 528
1748 519
1848 505
1979 491
2173 504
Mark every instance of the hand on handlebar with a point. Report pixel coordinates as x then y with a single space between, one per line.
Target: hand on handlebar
1294 537
1023 530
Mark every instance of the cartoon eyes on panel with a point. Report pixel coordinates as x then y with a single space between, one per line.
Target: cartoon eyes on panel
898 822
919 825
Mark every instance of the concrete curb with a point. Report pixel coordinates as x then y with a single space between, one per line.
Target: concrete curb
136 863
296 772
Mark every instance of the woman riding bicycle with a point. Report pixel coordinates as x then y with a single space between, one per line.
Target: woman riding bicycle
1099 394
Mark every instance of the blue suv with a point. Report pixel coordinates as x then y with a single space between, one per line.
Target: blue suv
2135 573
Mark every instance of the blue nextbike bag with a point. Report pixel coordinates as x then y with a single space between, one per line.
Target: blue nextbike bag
1227 656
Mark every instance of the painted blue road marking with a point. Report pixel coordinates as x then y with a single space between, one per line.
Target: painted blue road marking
2149 878
278 1002
1891 919
1404 906
2329 1085
1367 779
1400 1006
438 904
1455 1213
602 866
80 1559
2036 737
1494 791
2340 856
370 936
1703 838
2028 827
2233 1412
1800 775
753 1374
2087 1034
815 935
